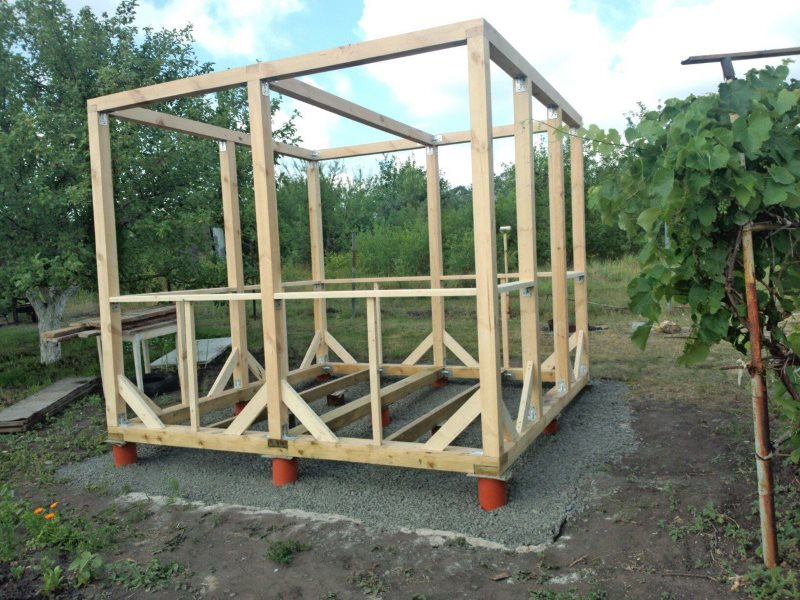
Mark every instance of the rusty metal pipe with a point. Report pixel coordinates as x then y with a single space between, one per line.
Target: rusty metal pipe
758 384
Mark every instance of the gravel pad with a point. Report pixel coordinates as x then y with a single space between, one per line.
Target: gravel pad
555 478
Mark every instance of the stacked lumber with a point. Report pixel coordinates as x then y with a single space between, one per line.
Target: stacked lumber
132 320
44 403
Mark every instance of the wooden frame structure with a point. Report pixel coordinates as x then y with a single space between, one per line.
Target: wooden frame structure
270 389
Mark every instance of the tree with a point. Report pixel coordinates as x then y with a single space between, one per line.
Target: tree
706 175
166 184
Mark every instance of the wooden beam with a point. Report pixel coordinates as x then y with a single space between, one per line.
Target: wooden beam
455 425
374 374
192 391
524 411
338 349
579 247
360 407
483 218
422 425
334 385
315 96
105 233
312 351
224 375
255 367
418 352
512 62
250 413
459 350
436 261
145 116
276 362
352 55
141 405
526 240
558 254
317 256
237 309
306 416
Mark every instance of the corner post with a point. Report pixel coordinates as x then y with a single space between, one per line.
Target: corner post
579 246
317 256
480 110
105 232
233 259
435 253
526 233
558 250
276 362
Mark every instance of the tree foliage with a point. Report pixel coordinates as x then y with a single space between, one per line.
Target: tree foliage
706 175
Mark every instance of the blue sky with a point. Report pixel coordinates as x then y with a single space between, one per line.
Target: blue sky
604 56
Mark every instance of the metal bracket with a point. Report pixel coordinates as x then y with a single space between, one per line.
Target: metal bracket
580 278
437 139
102 119
315 154
552 112
283 444
429 150
573 131
380 370
507 375
237 384
223 146
122 420
561 386
532 413
520 84
278 304
265 88
582 370
445 373
115 307
326 368
527 291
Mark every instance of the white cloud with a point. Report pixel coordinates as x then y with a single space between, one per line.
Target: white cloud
600 71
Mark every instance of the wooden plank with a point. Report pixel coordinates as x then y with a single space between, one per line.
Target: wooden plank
306 416
526 242
418 352
105 233
311 352
179 413
549 363
579 246
338 349
400 454
45 402
192 391
225 373
399 293
374 374
352 55
315 96
457 349
455 425
483 218
334 385
434 202
360 407
276 361
524 411
250 413
378 324
145 116
578 356
558 255
422 425
180 352
317 241
237 309
512 62
255 367
141 405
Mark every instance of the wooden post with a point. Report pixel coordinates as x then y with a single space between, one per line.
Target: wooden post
107 267
505 304
374 372
526 235
317 256
192 392
276 361
233 259
483 217
558 252
435 253
579 246
378 324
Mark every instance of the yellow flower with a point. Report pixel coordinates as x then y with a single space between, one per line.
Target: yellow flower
54 505
38 511
49 516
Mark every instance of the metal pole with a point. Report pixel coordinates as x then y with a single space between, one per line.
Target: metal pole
763 447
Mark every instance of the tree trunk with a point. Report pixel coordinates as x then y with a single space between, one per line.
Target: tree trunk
49 304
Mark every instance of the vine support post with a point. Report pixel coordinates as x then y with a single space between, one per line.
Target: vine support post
758 384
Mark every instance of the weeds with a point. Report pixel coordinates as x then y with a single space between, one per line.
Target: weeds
86 568
283 552
369 583
152 576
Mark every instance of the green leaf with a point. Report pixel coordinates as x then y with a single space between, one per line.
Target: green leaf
641 335
786 100
719 157
648 217
662 183
706 213
694 353
774 194
781 175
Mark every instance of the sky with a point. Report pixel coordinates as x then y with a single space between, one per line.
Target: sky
603 56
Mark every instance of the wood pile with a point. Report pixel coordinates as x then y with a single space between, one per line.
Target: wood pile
131 320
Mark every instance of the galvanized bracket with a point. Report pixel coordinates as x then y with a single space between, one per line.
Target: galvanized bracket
437 139
282 444
237 383
552 112
561 386
315 154
265 88
102 119
520 84
429 150
223 146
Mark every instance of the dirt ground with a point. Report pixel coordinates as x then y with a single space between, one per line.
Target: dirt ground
628 546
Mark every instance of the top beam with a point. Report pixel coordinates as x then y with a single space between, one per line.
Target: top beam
350 110
512 62
145 116
352 55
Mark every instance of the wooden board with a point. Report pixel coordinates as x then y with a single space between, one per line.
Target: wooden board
44 403
207 351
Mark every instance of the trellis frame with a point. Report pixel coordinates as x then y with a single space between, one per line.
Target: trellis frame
269 389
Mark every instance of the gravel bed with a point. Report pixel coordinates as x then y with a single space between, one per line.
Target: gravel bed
555 478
